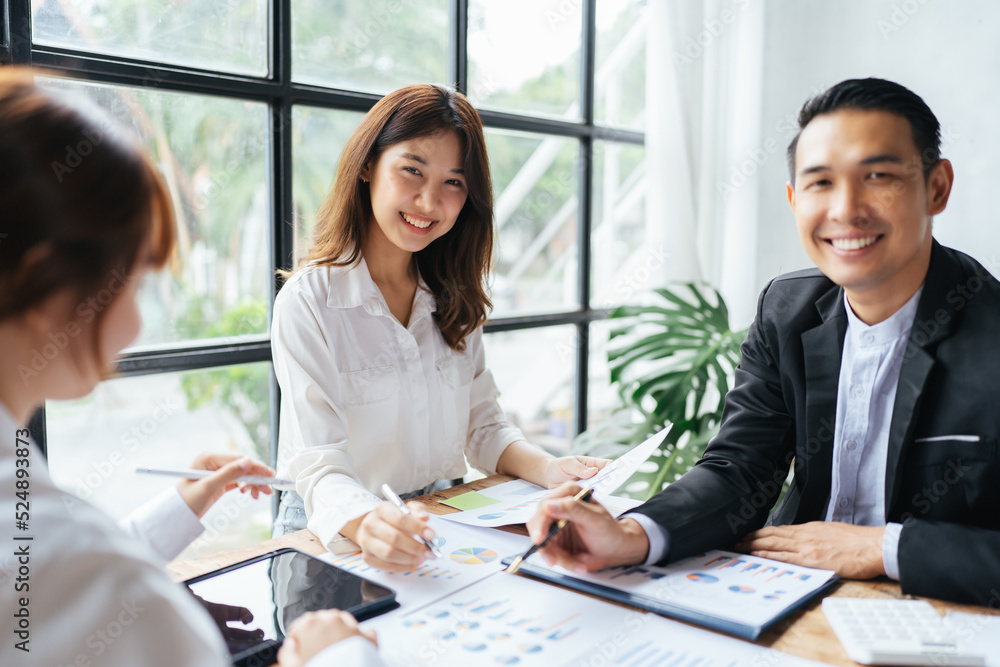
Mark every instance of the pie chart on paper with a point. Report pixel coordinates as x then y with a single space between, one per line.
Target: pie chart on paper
474 556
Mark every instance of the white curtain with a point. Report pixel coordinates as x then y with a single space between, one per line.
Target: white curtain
704 87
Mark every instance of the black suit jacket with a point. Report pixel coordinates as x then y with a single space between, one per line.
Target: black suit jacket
944 490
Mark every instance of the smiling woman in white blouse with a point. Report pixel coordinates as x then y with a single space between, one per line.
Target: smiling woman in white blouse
377 338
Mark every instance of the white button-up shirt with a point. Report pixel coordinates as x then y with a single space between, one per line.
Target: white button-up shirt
367 401
866 391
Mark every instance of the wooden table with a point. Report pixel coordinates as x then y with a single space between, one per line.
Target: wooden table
805 633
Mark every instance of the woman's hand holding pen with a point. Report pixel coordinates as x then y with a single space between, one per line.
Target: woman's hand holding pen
386 536
593 539
201 494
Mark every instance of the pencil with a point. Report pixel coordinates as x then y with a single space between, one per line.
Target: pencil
556 526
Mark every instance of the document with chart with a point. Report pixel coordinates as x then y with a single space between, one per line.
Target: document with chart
470 554
516 502
726 591
513 620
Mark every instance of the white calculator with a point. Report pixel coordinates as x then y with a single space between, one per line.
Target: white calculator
895 632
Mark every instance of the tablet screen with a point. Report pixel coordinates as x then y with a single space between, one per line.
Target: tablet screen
254 602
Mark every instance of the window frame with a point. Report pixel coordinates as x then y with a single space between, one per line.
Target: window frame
281 95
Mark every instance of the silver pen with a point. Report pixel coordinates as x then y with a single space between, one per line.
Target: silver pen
398 502
201 474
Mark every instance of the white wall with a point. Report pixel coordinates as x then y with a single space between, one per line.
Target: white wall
948 52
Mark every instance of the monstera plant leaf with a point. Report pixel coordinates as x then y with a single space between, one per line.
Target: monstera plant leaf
672 360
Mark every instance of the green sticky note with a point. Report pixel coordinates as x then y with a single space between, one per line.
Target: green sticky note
472 500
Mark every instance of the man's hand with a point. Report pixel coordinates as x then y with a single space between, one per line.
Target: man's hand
592 540
314 631
570 469
853 552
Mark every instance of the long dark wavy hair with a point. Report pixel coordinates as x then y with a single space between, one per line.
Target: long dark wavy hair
455 266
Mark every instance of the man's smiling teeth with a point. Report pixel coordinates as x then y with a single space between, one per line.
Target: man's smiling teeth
417 223
856 243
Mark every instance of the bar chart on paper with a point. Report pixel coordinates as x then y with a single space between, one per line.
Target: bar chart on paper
733 592
658 642
502 620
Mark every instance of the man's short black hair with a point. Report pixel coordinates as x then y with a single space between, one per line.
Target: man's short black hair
877 95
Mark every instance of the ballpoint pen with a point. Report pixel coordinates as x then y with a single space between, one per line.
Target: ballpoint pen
398 502
201 474
556 526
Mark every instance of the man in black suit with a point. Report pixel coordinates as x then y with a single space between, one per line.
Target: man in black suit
876 377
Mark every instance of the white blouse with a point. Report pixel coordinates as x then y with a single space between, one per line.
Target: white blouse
94 594
365 400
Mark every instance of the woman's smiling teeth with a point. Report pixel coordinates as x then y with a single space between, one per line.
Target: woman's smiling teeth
855 243
416 222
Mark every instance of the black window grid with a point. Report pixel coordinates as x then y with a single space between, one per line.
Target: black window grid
281 95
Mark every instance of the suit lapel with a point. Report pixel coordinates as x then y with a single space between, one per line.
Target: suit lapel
822 349
917 364
929 327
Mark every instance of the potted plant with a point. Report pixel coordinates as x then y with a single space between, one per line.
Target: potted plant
672 359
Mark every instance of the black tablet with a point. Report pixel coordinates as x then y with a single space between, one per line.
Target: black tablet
255 601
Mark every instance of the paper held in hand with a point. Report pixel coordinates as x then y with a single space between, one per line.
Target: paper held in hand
514 502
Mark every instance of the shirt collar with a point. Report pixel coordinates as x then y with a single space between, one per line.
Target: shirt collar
895 326
352 286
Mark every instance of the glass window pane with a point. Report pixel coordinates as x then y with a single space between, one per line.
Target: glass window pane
208 34
620 75
622 262
373 47
524 56
213 154
318 137
535 182
164 421
602 399
535 370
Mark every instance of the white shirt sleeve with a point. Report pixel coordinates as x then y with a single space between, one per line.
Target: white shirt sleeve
313 427
165 523
96 595
659 538
489 431
890 549
353 651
